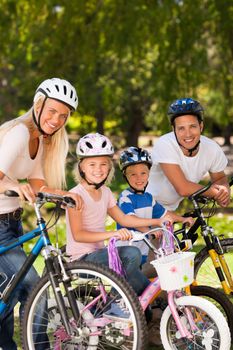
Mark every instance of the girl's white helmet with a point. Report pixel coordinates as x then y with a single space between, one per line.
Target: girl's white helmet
92 145
58 89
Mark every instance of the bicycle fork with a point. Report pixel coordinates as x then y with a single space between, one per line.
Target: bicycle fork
57 275
184 332
220 264
217 256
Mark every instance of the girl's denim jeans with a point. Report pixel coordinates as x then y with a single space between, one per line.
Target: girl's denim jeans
131 260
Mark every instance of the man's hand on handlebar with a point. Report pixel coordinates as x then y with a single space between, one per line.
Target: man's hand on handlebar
222 194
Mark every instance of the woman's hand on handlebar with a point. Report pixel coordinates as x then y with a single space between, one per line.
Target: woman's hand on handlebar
24 191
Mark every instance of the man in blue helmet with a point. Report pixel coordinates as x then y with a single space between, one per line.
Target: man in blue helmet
183 157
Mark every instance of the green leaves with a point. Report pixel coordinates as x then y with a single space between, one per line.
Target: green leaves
127 59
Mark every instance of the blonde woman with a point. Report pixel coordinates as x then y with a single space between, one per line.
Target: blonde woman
33 148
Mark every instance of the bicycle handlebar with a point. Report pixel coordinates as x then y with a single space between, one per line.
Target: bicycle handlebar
141 236
199 192
46 197
197 195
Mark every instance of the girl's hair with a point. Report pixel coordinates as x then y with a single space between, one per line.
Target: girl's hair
55 148
79 178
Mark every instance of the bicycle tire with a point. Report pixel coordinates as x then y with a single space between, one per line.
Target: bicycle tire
204 271
219 299
111 335
212 326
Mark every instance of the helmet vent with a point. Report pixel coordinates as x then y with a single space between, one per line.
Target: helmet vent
104 144
89 145
60 90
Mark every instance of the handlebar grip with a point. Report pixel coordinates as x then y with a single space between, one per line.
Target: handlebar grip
137 236
69 201
199 192
11 193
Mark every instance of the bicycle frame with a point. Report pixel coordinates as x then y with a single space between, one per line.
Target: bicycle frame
44 246
154 289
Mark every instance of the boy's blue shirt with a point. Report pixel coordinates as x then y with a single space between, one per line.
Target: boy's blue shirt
142 205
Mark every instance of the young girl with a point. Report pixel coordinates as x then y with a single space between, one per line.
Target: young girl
86 228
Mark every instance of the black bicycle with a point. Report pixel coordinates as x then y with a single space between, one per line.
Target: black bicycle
214 262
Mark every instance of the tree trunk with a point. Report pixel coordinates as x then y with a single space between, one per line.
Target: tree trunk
134 127
227 132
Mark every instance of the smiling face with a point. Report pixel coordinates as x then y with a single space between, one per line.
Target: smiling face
54 115
96 169
137 176
188 130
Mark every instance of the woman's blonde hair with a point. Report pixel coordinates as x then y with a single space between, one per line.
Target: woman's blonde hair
55 148
79 178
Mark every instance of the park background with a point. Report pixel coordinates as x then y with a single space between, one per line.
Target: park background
128 60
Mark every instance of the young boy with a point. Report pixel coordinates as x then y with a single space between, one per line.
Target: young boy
135 164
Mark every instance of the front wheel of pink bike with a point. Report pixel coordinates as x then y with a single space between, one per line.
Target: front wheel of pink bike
95 289
210 332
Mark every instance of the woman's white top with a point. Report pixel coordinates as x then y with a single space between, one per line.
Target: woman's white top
16 163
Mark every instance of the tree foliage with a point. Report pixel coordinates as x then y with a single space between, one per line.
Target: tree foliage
127 59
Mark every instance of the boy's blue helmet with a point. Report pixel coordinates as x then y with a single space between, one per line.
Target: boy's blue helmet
134 155
185 106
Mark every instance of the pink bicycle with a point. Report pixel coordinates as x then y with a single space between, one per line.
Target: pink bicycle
188 322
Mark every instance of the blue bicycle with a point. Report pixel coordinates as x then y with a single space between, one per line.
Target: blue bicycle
66 310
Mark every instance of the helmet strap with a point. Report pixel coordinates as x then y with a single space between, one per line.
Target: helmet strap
134 189
190 150
97 186
37 122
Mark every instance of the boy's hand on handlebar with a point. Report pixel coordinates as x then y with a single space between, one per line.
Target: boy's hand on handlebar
189 221
123 234
168 217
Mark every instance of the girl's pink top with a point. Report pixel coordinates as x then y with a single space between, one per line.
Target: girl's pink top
93 219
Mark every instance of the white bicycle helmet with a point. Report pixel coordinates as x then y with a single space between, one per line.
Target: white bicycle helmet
92 145
58 89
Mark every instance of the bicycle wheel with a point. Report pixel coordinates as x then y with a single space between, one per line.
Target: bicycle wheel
204 270
212 330
219 299
96 288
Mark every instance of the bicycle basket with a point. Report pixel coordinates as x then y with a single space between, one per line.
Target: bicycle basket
175 271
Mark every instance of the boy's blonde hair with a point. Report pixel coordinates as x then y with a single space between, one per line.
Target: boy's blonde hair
79 178
55 147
